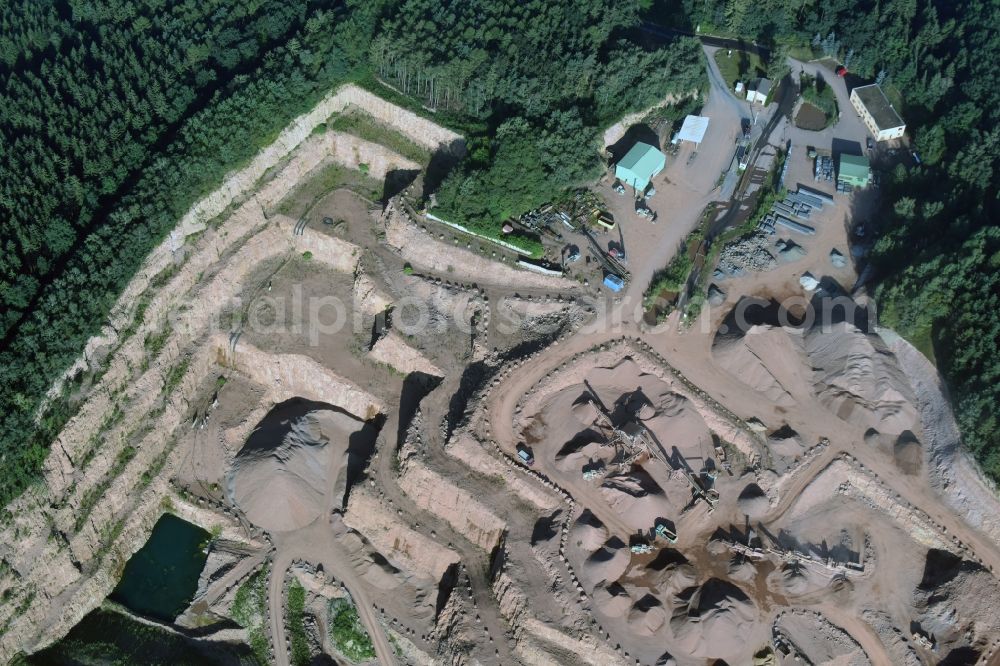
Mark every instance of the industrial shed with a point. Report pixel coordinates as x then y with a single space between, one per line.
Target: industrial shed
693 129
854 170
640 164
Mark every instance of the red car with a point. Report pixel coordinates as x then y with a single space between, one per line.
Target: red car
841 71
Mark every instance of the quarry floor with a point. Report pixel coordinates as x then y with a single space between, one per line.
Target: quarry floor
451 549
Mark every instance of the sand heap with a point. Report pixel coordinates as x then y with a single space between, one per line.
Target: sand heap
589 532
646 615
852 372
283 477
712 620
612 600
785 447
785 442
907 453
670 571
857 378
796 578
606 564
585 411
676 423
753 502
636 497
741 568
585 449
748 357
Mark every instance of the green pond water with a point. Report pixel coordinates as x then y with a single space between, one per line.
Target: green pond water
106 637
160 580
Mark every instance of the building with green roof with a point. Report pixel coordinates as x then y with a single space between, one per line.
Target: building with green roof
639 165
854 170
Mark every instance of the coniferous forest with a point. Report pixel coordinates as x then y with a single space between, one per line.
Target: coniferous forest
116 116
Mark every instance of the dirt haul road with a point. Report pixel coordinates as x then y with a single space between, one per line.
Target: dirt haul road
326 541
319 545
476 561
690 351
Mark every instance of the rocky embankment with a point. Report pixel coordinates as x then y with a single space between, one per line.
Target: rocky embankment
65 541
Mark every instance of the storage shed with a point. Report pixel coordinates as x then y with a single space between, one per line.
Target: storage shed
639 165
758 91
693 130
854 170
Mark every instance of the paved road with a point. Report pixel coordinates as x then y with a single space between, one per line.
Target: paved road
706 40
721 88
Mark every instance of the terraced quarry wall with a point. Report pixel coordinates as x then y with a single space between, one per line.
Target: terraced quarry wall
296 151
419 130
106 476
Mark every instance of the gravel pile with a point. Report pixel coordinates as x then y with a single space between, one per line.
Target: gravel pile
837 258
747 254
789 251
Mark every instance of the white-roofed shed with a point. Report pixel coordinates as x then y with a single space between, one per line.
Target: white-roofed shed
693 129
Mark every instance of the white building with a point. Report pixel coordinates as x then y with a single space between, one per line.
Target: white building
877 113
758 91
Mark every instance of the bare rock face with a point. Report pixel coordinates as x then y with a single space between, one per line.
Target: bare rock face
959 604
433 492
432 255
821 641
393 350
414 552
368 298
